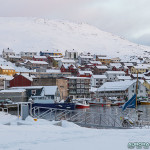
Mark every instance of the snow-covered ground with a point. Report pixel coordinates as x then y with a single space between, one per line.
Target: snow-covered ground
38 34
43 135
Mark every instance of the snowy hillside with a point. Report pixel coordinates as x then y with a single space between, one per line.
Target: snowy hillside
42 34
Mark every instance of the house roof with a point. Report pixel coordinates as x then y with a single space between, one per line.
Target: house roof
50 90
27 76
124 77
78 78
68 65
104 57
7 67
67 61
15 57
99 76
85 72
95 62
38 62
6 77
117 65
83 56
115 72
102 67
12 91
116 86
41 57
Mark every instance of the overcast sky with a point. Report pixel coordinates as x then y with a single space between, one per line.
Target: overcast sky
127 18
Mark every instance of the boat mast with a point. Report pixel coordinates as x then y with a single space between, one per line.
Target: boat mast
136 88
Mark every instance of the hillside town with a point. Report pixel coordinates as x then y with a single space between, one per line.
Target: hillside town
57 76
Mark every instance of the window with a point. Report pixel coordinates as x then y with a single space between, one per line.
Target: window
33 92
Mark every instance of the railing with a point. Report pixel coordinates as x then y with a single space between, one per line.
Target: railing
82 118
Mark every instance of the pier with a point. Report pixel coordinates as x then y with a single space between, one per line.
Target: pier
89 119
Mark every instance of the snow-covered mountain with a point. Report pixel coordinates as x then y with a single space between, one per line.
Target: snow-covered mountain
42 34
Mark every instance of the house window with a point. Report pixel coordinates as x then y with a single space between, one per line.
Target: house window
33 92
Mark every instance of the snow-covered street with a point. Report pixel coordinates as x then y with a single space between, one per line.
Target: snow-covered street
42 134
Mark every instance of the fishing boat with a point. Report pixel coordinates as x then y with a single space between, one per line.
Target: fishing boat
117 102
42 101
81 103
95 102
145 102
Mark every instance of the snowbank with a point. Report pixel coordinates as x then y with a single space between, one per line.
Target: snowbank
42 134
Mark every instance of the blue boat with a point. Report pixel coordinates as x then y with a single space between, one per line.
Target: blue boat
69 106
42 101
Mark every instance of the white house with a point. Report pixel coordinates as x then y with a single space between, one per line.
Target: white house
7 52
27 54
112 75
115 60
121 89
85 59
71 54
66 62
98 80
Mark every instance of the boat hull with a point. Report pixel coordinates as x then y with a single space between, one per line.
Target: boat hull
145 103
69 106
82 106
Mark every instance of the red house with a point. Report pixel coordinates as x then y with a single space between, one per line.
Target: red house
21 80
40 58
69 68
85 74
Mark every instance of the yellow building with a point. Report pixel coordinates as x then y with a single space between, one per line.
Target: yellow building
105 60
147 85
7 70
140 69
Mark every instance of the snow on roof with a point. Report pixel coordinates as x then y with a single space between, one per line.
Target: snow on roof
102 67
99 76
57 59
128 64
7 67
116 86
8 50
38 62
67 61
12 91
95 62
117 65
148 81
116 58
68 65
93 89
115 72
141 67
78 78
44 57
85 56
124 77
85 72
139 75
27 76
50 90
15 57
6 77
53 71
147 77
104 57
